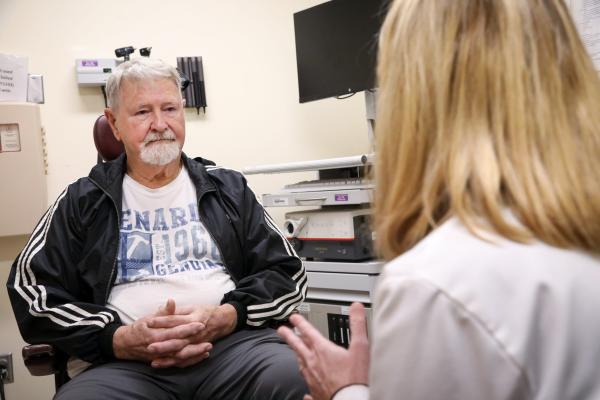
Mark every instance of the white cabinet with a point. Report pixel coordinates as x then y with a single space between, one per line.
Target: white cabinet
22 168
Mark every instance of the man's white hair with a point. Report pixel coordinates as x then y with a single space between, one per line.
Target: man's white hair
138 69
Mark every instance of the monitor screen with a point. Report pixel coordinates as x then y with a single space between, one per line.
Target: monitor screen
336 47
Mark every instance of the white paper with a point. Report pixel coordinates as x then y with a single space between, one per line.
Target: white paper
35 89
586 14
13 78
10 139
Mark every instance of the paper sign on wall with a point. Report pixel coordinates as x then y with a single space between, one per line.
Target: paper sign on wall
10 139
13 78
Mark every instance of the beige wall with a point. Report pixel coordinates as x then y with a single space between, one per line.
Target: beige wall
253 115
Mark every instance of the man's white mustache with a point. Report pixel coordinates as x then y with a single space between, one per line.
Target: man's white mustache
154 136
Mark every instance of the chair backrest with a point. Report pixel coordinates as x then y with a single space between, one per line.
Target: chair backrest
107 145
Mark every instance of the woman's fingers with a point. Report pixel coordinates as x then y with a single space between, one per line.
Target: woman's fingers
295 342
358 325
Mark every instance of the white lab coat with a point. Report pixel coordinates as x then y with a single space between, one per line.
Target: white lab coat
461 318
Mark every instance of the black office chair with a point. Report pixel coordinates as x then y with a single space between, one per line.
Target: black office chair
44 359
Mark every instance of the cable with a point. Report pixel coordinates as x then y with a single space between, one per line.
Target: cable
104 94
99 158
2 375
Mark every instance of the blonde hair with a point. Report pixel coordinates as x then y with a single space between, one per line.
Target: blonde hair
486 106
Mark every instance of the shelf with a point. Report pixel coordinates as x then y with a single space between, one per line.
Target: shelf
367 267
340 286
312 165
342 281
319 198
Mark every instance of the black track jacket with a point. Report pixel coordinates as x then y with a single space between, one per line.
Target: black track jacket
60 282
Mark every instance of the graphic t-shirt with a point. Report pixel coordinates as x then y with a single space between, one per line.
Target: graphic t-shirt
164 251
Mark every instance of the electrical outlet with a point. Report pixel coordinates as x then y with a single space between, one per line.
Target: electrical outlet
6 368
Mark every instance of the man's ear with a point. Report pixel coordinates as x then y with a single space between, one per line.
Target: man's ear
110 117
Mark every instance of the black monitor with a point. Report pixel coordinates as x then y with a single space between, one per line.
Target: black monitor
336 47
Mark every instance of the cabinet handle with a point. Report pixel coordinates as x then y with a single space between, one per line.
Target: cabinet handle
312 200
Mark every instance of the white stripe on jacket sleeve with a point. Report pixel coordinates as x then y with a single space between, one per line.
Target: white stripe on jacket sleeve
35 295
282 306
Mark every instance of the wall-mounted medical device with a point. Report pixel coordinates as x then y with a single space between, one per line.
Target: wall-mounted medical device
192 74
331 234
94 71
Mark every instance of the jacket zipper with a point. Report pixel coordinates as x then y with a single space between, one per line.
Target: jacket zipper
112 272
216 242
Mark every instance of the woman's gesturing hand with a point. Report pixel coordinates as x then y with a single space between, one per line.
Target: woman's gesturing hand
326 366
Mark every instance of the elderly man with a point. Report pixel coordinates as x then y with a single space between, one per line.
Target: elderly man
160 276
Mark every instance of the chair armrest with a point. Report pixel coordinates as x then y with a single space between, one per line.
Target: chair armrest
40 359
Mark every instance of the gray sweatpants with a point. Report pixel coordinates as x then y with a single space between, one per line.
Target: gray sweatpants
249 364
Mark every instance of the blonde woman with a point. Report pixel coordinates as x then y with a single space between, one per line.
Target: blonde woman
487 210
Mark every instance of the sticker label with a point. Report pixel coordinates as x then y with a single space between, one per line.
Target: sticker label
10 140
89 63
281 201
341 197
